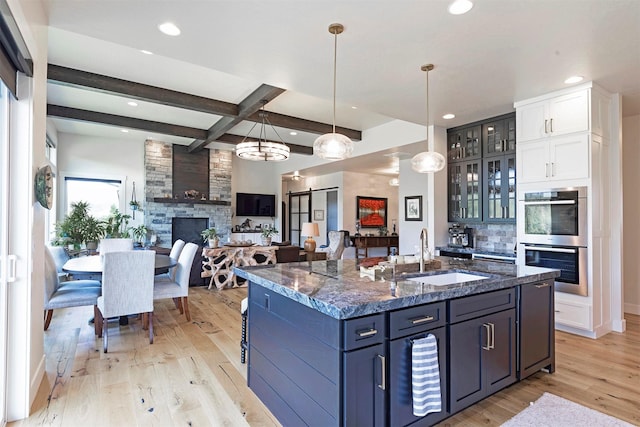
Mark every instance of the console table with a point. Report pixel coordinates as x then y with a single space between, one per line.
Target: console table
220 262
363 243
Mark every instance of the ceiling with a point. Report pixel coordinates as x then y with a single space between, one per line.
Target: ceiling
500 52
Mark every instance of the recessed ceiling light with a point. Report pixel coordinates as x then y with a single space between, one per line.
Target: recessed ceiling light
459 7
449 116
353 107
132 104
146 52
293 133
574 79
124 130
169 28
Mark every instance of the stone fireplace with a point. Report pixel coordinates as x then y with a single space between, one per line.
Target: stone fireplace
162 204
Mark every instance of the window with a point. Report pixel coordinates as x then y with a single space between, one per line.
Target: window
101 194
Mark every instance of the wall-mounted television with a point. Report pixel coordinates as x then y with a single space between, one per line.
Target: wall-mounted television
248 204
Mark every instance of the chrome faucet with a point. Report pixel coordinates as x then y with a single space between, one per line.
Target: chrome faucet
424 244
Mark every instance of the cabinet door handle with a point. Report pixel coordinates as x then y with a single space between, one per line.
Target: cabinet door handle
551 125
546 130
367 333
543 285
383 370
493 336
487 329
546 170
553 169
421 320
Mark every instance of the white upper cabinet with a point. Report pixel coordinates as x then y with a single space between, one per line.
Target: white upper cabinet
553 159
552 117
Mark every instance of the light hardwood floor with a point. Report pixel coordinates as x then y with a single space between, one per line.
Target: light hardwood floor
192 376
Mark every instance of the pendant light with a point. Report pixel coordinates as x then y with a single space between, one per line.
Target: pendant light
262 149
427 161
333 146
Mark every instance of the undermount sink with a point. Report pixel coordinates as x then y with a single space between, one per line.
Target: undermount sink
447 278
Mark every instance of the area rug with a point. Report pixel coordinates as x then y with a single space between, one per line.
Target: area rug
553 411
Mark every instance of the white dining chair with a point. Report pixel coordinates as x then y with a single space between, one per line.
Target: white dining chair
178 288
115 245
176 250
74 293
127 288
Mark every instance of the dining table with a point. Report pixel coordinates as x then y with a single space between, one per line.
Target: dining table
92 265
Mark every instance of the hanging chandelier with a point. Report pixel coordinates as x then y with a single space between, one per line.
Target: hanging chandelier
262 149
427 161
333 146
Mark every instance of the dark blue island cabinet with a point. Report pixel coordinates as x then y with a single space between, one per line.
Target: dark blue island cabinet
482 346
312 369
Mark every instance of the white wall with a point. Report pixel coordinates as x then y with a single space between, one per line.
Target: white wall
248 176
631 212
81 155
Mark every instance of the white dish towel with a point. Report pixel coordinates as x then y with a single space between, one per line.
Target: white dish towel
425 376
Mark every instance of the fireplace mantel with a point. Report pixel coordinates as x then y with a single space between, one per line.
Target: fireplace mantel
191 201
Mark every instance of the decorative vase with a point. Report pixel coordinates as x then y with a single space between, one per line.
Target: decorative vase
266 241
213 243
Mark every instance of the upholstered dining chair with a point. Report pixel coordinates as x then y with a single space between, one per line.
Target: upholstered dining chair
336 245
115 245
60 256
176 249
178 287
127 288
75 293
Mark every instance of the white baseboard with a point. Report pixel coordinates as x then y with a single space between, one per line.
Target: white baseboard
632 308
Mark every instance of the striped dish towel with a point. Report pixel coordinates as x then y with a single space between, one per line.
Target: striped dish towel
425 376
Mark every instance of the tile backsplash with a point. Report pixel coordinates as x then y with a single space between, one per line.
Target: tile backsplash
499 238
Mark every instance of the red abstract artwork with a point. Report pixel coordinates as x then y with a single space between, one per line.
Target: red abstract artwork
372 211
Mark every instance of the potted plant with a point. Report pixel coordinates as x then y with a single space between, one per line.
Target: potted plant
382 231
267 233
211 236
94 230
139 234
134 205
70 231
116 224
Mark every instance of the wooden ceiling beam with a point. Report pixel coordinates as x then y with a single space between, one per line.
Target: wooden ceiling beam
104 84
247 107
151 126
125 122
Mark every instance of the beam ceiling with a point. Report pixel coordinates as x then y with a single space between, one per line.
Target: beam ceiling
232 114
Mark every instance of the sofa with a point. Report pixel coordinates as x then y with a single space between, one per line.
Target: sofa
287 252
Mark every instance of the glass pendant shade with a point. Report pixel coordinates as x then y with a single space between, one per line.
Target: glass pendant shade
428 162
333 146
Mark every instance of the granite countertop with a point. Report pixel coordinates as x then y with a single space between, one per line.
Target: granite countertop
466 250
338 288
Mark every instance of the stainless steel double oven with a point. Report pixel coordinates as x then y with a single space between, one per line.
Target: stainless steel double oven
555 235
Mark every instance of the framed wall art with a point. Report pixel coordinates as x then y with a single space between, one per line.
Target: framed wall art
318 215
413 208
371 211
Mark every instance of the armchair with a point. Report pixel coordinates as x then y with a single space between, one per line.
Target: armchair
336 245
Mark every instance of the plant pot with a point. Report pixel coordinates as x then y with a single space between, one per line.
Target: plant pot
213 243
266 241
92 246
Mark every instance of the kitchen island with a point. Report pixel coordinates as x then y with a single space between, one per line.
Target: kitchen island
331 346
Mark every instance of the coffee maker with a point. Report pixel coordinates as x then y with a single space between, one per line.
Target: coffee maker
460 237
